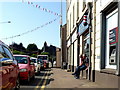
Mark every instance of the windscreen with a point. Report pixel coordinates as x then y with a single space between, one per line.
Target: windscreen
20 59
34 60
42 57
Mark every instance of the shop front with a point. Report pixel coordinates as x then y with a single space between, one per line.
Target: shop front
83 40
109 52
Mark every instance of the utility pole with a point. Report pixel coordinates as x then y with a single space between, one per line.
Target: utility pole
61 35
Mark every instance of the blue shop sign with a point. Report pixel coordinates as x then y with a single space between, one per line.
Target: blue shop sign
82 28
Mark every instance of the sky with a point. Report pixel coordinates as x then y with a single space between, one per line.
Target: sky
30 23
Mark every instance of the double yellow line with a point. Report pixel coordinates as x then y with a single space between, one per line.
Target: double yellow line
44 79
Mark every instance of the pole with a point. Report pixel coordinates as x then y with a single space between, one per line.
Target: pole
118 46
61 36
6 22
90 27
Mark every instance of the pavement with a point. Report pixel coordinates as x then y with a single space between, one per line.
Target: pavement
60 78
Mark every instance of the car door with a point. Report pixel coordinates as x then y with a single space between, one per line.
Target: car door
12 68
32 68
4 70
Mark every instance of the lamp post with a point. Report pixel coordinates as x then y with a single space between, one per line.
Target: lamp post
61 36
5 22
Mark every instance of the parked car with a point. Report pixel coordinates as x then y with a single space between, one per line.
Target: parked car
37 65
9 70
26 66
44 59
41 64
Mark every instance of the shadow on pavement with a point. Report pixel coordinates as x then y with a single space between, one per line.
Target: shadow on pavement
38 80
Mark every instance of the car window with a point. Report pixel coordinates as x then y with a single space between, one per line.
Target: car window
42 57
1 52
22 60
8 53
34 60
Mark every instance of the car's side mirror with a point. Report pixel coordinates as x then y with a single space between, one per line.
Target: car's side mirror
31 63
6 61
38 62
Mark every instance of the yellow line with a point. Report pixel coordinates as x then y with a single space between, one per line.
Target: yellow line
43 86
38 85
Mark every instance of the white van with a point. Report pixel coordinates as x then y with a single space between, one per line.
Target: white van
37 65
45 59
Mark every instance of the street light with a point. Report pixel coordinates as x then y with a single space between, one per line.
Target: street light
5 22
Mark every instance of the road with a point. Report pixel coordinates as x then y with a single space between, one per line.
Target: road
39 82
58 78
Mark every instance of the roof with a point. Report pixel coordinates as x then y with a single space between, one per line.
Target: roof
21 55
33 58
42 55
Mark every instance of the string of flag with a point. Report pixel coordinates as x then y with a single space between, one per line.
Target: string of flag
41 8
24 33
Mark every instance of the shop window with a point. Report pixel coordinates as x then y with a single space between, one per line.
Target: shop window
86 43
77 9
84 4
111 39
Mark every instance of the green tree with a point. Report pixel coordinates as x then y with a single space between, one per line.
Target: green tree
45 53
18 52
34 55
32 47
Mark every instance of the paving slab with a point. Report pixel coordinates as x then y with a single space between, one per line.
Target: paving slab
62 79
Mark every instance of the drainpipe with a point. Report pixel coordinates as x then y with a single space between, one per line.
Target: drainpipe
118 47
90 28
78 44
94 38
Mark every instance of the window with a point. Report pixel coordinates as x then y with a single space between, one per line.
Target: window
42 57
34 60
1 52
86 40
8 53
78 9
73 16
111 23
22 60
70 23
84 4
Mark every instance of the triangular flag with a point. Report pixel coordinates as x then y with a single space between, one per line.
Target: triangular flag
28 2
36 5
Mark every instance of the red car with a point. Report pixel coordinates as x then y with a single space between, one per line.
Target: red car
9 70
26 67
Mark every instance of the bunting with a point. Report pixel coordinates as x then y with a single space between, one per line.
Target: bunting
41 8
37 28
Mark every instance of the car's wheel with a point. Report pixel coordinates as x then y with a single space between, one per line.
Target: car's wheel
38 71
17 84
28 80
33 76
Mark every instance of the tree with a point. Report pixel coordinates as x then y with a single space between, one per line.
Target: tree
45 53
21 47
34 55
18 52
18 47
32 47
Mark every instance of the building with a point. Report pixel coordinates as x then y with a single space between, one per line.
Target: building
78 32
107 58
58 57
63 47
93 29
71 34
